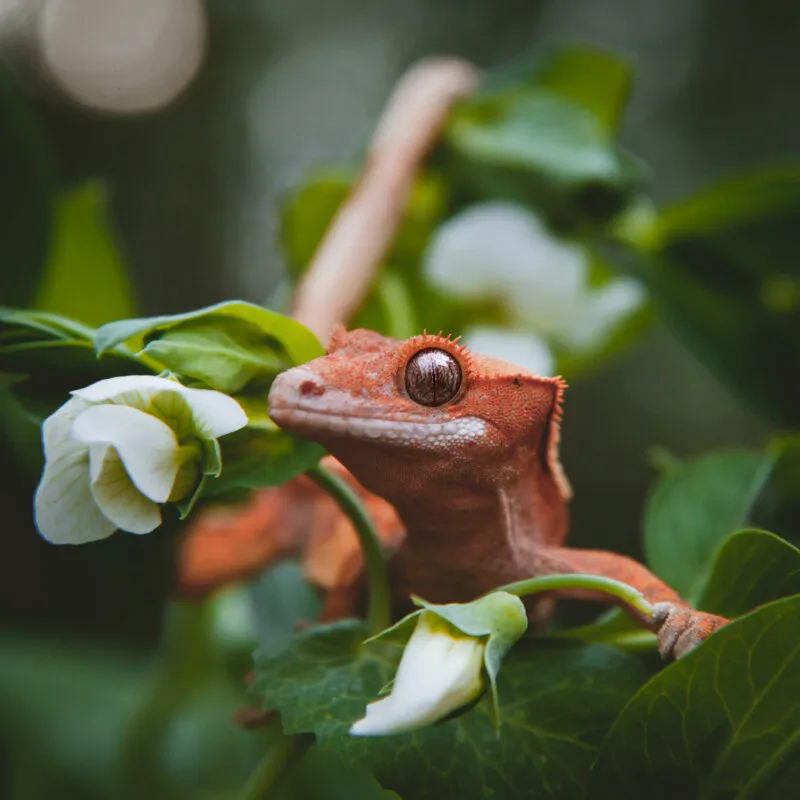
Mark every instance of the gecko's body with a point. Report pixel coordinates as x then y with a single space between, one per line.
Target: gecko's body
465 448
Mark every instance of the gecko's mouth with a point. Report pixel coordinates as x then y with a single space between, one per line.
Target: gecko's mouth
314 424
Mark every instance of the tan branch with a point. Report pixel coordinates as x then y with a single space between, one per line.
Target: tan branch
361 233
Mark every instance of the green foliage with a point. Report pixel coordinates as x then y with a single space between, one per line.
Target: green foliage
751 568
722 267
226 330
84 277
556 703
542 134
693 507
26 191
720 723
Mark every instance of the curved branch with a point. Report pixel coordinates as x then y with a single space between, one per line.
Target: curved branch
359 236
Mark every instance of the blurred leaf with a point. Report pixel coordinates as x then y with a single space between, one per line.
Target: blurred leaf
614 628
64 710
309 210
778 506
719 723
320 775
693 507
17 325
751 568
541 149
597 80
211 327
26 190
85 277
724 271
556 703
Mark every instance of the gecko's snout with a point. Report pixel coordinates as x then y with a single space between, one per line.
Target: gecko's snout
291 388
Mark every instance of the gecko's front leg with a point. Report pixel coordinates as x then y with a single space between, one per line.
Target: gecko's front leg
679 627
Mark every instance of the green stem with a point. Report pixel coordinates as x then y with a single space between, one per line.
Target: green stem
588 583
379 610
273 768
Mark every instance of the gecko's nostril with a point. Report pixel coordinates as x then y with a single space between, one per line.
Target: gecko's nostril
311 388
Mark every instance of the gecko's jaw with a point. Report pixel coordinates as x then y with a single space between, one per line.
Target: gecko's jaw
297 403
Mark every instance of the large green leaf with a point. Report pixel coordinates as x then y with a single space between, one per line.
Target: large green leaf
224 345
556 703
723 269
693 507
720 723
26 190
751 568
85 276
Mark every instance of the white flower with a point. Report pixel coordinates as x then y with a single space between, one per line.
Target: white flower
452 657
524 349
441 671
123 446
502 250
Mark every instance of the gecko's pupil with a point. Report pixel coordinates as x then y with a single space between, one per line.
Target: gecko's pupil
433 377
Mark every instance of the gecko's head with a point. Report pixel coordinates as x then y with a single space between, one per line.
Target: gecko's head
395 413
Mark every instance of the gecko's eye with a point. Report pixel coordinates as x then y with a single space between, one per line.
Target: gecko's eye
433 377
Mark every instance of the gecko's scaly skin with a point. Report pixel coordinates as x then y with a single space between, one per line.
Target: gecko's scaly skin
475 477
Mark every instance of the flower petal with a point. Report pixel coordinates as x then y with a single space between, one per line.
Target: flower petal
214 413
520 348
147 447
440 672
604 308
64 509
116 496
113 388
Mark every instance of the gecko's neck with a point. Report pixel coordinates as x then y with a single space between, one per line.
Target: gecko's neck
466 538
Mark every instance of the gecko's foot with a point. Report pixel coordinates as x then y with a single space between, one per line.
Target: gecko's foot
681 629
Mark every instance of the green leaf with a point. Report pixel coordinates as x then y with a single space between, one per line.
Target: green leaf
556 703
233 324
719 723
26 190
693 507
85 276
226 353
594 79
723 270
539 148
17 325
751 568
258 456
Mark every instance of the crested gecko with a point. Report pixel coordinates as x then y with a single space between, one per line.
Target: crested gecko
465 448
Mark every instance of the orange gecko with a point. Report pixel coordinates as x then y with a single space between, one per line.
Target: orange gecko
460 455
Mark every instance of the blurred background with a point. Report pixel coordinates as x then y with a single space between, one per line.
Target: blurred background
192 120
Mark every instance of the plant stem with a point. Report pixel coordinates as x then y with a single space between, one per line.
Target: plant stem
588 583
272 769
378 613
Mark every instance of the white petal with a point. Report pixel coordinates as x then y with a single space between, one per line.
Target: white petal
112 388
520 348
438 674
115 494
603 309
146 445
64 509
503 250
214 413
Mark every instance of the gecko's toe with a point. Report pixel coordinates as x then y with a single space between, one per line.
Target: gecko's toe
682 629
